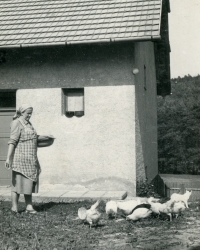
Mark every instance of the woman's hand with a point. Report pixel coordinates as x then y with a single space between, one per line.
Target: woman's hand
11 150
8 164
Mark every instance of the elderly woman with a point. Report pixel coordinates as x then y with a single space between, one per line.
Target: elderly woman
22 158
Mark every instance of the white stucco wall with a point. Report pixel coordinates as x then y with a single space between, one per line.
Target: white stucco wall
97 150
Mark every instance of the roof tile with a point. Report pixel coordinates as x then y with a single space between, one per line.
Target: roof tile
54 21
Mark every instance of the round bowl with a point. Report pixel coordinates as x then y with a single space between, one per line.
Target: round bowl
45 142
79 113
69 113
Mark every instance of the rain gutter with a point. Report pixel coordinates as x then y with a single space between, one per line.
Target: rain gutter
111 40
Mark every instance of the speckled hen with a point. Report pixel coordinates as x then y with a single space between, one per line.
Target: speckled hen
91 216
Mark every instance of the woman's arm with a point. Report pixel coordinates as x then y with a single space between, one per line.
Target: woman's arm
14 138
11 149
15 132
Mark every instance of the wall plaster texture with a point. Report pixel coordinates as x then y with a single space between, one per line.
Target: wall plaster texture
97 150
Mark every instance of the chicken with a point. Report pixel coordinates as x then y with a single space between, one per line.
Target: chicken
128 205
159 208
111 208
91 216
156 207
170 207
182 197
143 205
140 212
178 207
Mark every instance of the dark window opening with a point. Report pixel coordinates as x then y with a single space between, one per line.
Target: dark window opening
7 100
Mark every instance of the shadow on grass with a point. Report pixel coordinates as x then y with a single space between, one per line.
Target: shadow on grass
42 207
93 226
195 248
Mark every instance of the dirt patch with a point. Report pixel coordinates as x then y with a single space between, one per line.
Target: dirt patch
56 227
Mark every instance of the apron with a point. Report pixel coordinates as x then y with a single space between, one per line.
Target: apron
25 159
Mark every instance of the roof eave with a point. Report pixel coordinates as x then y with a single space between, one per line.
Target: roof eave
111 40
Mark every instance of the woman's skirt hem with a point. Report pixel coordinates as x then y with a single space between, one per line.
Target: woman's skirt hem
22 185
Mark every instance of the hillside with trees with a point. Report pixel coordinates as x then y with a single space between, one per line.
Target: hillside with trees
179 127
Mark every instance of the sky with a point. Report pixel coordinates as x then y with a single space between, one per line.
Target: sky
184 35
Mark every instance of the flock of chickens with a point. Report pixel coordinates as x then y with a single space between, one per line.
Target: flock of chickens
136 209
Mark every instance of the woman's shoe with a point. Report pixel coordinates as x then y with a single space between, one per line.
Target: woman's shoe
32 211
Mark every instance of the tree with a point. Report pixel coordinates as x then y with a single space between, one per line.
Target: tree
179 127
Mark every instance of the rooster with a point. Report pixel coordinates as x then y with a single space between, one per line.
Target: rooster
91 216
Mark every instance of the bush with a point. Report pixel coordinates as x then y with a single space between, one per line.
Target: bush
145 189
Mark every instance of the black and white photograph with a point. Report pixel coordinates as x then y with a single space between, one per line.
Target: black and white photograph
99 124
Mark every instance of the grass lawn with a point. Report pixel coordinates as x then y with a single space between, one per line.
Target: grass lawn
57 227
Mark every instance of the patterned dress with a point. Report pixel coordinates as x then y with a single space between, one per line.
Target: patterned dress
25 163
25 158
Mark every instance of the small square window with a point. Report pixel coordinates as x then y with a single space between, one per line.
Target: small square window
73 102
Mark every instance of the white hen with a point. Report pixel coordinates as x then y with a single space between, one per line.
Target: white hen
127 206
91 216
140 212
158 207
111 208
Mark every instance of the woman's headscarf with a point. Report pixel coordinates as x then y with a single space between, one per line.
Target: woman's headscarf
21 109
